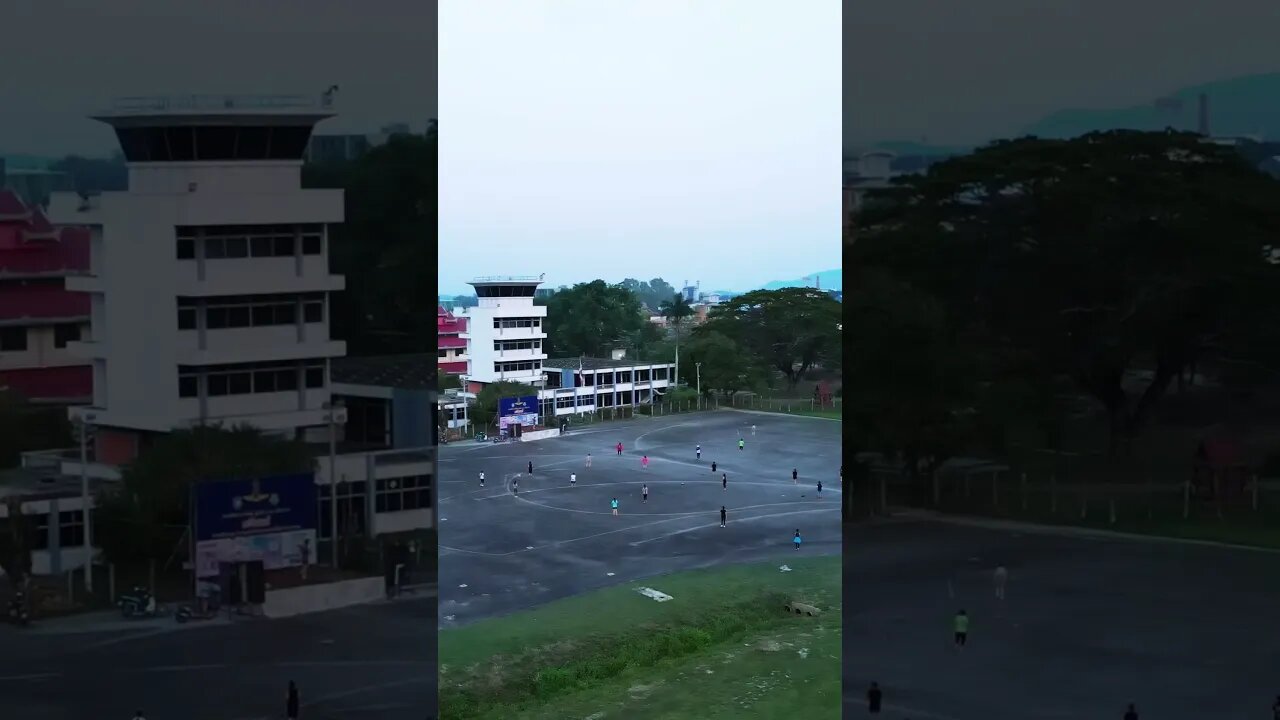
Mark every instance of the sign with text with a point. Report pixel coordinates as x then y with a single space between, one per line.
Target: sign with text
272 519
507 407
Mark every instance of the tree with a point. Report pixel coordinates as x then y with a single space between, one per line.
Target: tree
593 318
789 330
385 244
1116 260
145 517
15 549
484 412
447 381
25 426
725 366
651 294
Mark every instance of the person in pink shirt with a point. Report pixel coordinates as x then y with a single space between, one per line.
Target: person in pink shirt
644 462
618 447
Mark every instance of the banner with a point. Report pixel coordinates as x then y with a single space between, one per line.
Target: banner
518 411
272 519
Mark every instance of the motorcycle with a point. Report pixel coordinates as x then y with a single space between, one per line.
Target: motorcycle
18 613
206 608
137 603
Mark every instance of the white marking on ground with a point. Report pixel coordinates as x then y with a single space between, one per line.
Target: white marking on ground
784 568
180 668
657 595
610 574
737 521
462 585
367 689
33 676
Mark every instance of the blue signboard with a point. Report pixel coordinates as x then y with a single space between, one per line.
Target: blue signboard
238 508
508 407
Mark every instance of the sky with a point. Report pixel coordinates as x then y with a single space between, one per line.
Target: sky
666 138
63 60
968 72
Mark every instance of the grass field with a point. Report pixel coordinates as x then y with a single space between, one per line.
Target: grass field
722 648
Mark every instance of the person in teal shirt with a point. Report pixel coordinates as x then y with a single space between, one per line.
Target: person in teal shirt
741 443
961 628
796 539
614 504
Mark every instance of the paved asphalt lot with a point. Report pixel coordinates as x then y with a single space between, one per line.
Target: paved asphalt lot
375 661
500 552
1088 625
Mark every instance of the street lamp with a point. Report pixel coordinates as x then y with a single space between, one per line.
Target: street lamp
698 368
335 416
83 424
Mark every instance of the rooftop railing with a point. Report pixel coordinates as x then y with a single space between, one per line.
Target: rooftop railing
197 103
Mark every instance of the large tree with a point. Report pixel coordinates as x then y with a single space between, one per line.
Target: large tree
789 330
1116 260
593 318
720 364
385 245
146 515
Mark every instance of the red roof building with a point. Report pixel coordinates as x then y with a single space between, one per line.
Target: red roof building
38 316
452 346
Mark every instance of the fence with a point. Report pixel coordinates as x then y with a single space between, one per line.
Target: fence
798 407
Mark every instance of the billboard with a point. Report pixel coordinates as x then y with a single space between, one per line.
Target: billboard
271 519
518 411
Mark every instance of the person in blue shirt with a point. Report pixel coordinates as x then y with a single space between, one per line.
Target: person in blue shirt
796 539
614 504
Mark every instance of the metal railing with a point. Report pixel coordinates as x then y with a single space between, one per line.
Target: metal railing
191 103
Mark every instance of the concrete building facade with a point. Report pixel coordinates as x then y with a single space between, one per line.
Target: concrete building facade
506 332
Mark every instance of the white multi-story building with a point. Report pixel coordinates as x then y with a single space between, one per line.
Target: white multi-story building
506 333
209 277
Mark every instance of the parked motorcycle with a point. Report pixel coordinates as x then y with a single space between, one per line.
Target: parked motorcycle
18 613
137 603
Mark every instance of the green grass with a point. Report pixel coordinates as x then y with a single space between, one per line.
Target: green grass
722 648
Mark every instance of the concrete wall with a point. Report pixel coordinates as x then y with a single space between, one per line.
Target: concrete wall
538 435
288 602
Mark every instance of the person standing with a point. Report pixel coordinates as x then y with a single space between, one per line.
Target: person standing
1001 577
741 443
796 539
724 516
795 476
1275 709
819 489
713 466
697 450
961 628
614 504
873 698
618 447
644 463
588 459
724 481
753 429
139 716
1132 713
573 479
530 467
644 493
292 703
515 485
481 478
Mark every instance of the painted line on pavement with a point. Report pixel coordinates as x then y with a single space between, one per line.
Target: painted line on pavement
738 520
33 676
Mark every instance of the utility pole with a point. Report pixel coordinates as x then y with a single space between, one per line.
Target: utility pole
698 368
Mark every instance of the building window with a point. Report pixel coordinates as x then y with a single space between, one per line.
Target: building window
13 339
565 402
501 345
522 366
70 528
186 248
247 378
315 378
252 311
510 323
188 386
38 531
405 493
312 245
63 334
659 373
313 311
186 318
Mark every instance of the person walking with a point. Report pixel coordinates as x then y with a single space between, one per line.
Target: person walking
873 698
713 466
614 504
573 479
481 478
796 539
961 629
698 451
724 516
1001 577
795 476
644 463
1132 713
644 493
588 459
724 481
292 703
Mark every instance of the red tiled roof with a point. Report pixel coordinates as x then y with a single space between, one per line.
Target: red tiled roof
52 383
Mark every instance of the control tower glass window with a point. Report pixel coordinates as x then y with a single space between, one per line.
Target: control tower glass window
213 143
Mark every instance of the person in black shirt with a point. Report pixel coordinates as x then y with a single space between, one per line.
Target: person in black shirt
291 703
723 516
530 467
1275 709
1131 713
873 698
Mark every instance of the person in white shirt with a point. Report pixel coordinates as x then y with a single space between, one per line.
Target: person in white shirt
481 478
753 429
1001 578
573 478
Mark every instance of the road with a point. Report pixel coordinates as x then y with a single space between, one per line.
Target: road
372 661
501 552
1088 625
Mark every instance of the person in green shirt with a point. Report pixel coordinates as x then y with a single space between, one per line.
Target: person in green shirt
741 443
962 628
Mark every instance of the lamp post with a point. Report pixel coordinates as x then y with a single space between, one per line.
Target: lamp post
336 417
698 369
87 521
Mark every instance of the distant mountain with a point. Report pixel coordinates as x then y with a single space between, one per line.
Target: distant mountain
1246 106
828 279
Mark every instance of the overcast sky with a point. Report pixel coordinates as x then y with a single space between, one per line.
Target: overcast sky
665 138
966 72
62 59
